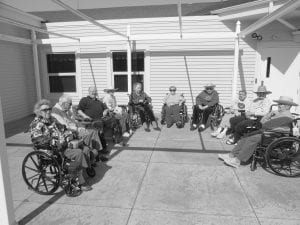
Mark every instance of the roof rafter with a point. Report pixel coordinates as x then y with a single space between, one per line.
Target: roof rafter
85 17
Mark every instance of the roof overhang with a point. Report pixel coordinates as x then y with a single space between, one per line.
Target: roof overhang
288 7
249 10
12 13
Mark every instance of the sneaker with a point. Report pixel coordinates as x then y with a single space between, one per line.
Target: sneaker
194 126
162 122
224 156
234 162
85 187
222 134
216 132
126 134
201 128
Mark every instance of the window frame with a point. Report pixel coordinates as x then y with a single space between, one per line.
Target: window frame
113 74
45 75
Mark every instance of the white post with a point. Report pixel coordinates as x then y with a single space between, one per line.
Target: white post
271 6
129 59
236 59
36 66
6 202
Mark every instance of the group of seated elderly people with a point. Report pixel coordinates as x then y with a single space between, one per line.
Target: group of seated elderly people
56 127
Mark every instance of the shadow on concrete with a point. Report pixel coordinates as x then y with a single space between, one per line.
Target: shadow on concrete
41 208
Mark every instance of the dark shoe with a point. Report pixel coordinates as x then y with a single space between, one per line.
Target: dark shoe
230 142
85 187
169 125
104 159
97 158
157 128
104 151
147 129
162 122
193 126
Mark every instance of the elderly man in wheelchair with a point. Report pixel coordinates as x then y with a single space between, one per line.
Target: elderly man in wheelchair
174 110
274 134
53 143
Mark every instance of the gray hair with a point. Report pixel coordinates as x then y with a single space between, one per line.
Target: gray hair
137 84
37 106
65 98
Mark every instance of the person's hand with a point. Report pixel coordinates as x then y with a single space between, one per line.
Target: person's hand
141 101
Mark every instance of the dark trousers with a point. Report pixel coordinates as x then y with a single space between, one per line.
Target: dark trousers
201 114
242 127
143 110
172 114
234 121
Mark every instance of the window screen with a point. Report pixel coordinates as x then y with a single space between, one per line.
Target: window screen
62 84
61 63
121 83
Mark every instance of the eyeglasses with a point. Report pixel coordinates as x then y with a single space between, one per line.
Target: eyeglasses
172 90
46 109
209 88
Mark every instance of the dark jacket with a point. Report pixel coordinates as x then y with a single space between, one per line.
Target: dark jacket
207 99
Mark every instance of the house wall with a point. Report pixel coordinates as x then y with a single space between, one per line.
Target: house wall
17 83
189 63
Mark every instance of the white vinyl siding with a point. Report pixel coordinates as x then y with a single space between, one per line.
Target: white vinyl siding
17 81
167 62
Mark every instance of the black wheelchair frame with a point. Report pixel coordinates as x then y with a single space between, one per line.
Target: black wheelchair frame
134 116
279 151
44 171
215 117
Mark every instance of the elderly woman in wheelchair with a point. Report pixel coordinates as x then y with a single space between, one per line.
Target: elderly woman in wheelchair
55 148
140 109
207 106
174 110
280 150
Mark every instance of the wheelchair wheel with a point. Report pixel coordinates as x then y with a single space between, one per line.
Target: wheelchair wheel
41 172
283 156
91 172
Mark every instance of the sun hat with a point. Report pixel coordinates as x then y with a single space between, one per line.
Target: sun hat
110 88
262 89
209 85
172 88
285 100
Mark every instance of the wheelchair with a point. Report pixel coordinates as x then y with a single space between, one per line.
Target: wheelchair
214 118
44 171
134 117
279 151
180 118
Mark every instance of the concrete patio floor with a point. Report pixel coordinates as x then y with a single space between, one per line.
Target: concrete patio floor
167 177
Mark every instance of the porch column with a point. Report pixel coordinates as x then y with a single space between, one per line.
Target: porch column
36 66
236 59
6 202
129 59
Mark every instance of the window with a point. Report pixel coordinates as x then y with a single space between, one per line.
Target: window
61 69
119 61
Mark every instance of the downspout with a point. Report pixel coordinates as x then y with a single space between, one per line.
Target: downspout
36 66
129 60
236 58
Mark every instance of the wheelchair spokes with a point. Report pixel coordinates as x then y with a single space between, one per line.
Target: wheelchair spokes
283 157
41 172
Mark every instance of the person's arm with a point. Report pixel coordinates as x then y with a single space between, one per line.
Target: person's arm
38 137
199 99
181 99
165 99
214 100
267 117
278 124
81 108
